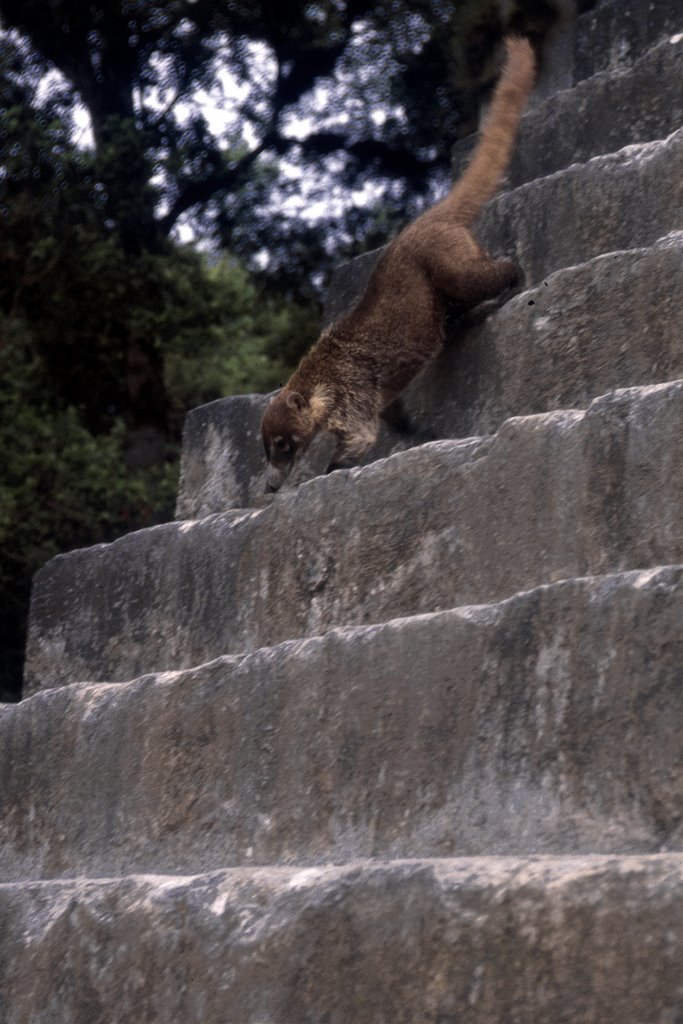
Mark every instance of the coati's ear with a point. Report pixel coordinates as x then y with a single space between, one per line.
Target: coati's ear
296 401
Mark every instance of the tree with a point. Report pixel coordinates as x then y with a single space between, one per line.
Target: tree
136 67
72 305
68 295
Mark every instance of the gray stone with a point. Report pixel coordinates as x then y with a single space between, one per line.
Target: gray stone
617 33
623 200
348 284
613 109
222 455
472 941
558 345
548 497
552 722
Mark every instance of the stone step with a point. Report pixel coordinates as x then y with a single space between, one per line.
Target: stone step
552 722
548 497
612 322
618 107
616 33
615 108
477 941
623 200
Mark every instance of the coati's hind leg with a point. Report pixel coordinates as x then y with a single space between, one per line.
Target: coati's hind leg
476 280
484 279
462 269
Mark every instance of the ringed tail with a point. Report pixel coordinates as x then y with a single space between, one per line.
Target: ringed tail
490 159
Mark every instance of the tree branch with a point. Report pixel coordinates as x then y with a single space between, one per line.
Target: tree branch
201 190
393 161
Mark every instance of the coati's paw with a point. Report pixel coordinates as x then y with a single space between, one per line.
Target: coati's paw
396 417
517 282
513 273
334 466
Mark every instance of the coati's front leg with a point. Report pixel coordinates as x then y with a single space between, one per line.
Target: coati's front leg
402 424
353 442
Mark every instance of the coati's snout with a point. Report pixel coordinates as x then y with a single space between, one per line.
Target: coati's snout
287 429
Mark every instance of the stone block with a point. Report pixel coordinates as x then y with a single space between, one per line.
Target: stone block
551 722
624 200
552 941
548 497
615 34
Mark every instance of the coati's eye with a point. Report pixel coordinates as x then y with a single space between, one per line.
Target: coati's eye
281 444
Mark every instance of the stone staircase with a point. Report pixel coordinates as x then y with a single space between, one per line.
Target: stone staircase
404 744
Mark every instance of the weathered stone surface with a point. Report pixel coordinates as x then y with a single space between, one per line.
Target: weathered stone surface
622 200
612 322
222 465
348 284
549 497
581 940
616 33
604 113
220 442
552 722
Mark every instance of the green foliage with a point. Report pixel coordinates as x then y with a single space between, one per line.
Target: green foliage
64 485
248 341
72 303
60 487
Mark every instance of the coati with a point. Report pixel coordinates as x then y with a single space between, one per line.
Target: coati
362 362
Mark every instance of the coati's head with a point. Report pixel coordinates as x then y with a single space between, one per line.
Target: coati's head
288 426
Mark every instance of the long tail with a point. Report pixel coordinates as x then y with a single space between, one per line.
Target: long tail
490 159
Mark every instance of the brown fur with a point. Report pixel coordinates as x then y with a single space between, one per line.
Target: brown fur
364 360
